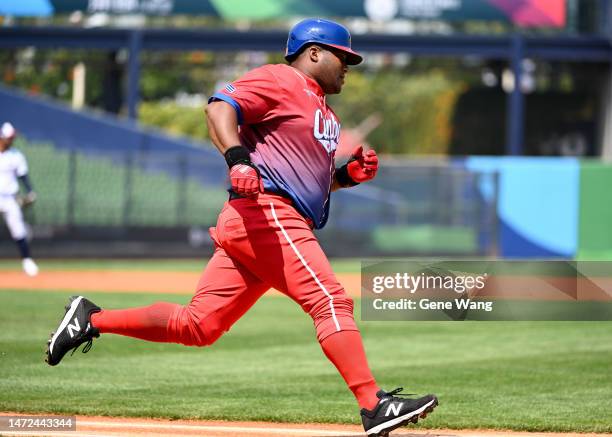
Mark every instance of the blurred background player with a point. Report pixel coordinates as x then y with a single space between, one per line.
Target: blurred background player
14 168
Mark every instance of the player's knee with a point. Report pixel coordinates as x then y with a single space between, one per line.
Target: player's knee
206 331
210 333
344 306
336 316
189 329
340 306
18 234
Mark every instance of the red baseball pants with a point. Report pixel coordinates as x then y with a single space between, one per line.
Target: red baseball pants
259 244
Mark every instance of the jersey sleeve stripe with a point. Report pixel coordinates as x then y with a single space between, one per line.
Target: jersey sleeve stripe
227 99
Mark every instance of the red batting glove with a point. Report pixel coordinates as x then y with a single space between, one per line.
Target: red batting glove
362 167
246 180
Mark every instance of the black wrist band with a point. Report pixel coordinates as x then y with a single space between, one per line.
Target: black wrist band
237 155
343 177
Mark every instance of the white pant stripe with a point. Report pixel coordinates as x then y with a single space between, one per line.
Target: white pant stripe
314 276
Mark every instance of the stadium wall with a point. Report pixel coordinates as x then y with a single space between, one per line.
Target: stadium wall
542 207
595 230
46 120
538 204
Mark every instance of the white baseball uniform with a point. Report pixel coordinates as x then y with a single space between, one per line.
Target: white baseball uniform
12 165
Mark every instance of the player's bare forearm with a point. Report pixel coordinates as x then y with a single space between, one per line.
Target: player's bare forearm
222 125
223 128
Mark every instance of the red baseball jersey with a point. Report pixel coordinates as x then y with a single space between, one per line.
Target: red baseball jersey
291 133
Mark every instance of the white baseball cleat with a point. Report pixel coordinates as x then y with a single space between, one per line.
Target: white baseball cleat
29 267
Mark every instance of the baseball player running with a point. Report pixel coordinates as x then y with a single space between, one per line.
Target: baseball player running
278 137
14 168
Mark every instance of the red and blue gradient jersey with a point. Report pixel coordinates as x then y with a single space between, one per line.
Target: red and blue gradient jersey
291 133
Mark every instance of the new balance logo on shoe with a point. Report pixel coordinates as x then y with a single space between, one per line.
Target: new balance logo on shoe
396 408
398 411
75 328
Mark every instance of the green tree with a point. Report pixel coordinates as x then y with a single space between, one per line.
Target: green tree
416 109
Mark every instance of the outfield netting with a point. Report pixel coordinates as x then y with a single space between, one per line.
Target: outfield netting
415 206
123 189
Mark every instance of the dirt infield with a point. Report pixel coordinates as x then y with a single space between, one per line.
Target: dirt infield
181 282
112 426
129 281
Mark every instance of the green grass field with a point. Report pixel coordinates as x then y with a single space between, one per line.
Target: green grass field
546 376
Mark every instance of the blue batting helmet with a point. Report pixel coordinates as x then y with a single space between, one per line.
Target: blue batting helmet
324 32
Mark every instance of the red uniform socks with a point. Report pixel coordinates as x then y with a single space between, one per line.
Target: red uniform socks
345 350
147 323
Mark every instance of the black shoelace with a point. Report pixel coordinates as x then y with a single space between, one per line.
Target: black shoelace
397 393
85 349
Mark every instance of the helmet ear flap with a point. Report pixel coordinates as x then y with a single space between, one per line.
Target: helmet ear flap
299 52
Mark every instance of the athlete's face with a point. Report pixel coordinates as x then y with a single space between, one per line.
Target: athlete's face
5 143
331 69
